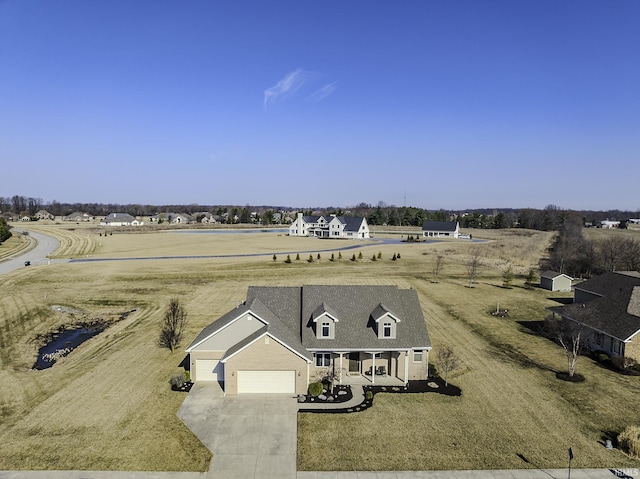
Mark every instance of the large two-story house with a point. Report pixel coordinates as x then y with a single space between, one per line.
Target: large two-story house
336 227
280 339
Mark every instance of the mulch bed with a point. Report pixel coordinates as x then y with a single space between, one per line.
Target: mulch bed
186 387
336 397
435 385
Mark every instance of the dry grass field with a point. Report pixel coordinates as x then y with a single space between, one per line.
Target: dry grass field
16 244
108 404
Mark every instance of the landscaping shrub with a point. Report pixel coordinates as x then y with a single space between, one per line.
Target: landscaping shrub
629 441
622 363
601 357
315 389
288 260
187 376
368 395
177 380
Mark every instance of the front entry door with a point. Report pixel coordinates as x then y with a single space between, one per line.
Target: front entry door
354 362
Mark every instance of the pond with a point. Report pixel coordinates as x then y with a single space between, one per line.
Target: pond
62 343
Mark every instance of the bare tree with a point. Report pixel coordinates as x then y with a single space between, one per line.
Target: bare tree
473 265
616 253
447 362
569 336
175 320
438 264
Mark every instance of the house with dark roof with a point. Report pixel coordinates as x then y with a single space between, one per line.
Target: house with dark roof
554 281
335 227
281 339
44 215
440 229
608 308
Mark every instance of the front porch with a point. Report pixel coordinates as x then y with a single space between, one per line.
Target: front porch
368 368
356 379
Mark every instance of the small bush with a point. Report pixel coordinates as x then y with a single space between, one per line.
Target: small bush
368 395
187 376
298 257
315 389
177 380
601 357
622 363
333 258
318 257
379 254
339 255
310 260
275 258
629 441
398 257
288 260
373 258
360 255
353 258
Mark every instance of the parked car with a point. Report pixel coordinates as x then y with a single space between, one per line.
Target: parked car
27 263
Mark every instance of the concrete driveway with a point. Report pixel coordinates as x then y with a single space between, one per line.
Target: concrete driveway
250 436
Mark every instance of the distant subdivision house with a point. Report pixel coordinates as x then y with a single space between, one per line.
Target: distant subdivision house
120 219
283 338
78 217
607 307
440 229
554 281
335 227
44 215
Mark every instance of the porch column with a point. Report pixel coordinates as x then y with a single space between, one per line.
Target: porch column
340 380
406 367
373 368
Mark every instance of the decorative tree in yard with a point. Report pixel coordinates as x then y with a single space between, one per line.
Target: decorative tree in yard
447 362
569 335
438 264
507 277
530 279
473 264
175 321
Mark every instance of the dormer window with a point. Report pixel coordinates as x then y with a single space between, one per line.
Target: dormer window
386 330
326 330
325 321
385 322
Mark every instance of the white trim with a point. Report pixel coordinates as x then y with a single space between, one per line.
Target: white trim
326 313
368 350
390 315
224 360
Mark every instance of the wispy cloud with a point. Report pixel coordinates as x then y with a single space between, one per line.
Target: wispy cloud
290 83
323 92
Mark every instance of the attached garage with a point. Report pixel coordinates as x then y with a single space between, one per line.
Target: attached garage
209 370
260 382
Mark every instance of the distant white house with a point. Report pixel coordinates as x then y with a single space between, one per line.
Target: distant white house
440 229
120 219
608 224
335 227
554 281
78 216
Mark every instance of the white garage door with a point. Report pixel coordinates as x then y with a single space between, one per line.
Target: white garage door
266 382
209 370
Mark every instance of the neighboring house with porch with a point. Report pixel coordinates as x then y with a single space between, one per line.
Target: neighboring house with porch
335 227
281 339
440 229
554 281
78 217
607 307
120 219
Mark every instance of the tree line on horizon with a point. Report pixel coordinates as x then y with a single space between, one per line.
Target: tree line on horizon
550 218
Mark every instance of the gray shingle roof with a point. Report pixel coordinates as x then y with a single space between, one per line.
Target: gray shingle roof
615 312
289 311
352 223
551 274
439 225
354 306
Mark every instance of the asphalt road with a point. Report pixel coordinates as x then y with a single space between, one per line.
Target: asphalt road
37 256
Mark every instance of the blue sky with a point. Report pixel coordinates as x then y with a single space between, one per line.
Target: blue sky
460 104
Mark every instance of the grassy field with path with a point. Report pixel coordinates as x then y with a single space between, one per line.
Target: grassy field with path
108 404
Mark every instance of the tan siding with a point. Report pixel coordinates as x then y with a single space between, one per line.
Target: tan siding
263 356
632 349
194 355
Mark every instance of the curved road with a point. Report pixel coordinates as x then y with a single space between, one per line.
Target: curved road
45 246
